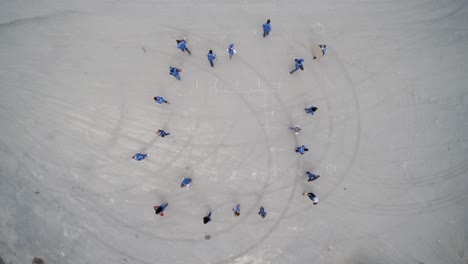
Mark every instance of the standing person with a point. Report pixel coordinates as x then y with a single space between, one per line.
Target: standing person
174 72
207 218
266 28
181 44
159 209
140 156
231 50
298 65
160 100
323 48
185 182
211 56
301 149
311 110
236 210
296 129
312 197
262 212
162 133
312 177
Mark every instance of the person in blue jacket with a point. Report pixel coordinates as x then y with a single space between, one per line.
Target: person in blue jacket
160 100
236 210
140 156
185 182
312 197
311 110
323 48
207 218
174 72
262 212
182 45
266 28
159 209
231 50
211 56
296 129
301 149
312 177
298 65
162 133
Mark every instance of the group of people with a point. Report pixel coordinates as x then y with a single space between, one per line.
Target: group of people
182 45
185 182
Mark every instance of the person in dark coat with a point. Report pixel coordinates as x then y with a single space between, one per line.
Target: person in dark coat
207 218
311 110
159 209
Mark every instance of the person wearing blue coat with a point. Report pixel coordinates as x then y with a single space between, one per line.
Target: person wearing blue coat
262 212
160 100
266 28
298 65
174 72
312 197
182 45
231 50
323 48
159 209
296 129
236 210
162 133
185 182
301 149
140 156
211 56
312 177
311 110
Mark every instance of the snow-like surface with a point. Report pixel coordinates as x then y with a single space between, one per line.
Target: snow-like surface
390 141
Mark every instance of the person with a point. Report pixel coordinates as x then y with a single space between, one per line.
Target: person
262 212
174 72
266 28
296 129
323 48
231 50
311 110
207 218
298 65
160 100
211 56
312 177
301 149
236 210
181 44
159 209
312 197
140 156
162 133
185 182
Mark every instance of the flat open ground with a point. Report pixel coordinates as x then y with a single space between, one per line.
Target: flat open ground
390 138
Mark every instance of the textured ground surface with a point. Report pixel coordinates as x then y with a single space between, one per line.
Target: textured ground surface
390 137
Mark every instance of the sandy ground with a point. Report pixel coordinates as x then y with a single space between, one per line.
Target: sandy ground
390 137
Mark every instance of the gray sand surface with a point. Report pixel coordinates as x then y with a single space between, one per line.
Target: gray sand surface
390 138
